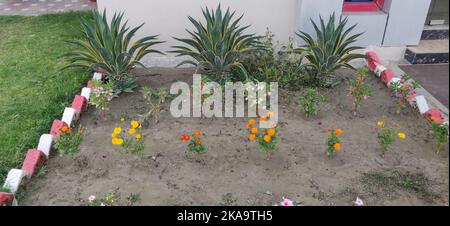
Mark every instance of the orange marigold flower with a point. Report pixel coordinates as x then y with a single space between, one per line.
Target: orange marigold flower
197 133
199 142
337 146
267 138
252 137
251 122
65 129
254 130
183 137
271 132
187 137
263 118
248 126
338 132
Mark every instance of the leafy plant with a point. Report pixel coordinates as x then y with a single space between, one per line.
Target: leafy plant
440 134
358 89
333 141
5 190
106 200
131 140
403 92
108 47
309 100
387 135
102 94
155 98
217 47
69 142
330 50
266 138
196 144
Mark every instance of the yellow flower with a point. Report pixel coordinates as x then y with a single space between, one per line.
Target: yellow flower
132 131
117 130
117 141
113 135
251 122
380 123
267 138
402 135
138 136
122 119
134 124
254 130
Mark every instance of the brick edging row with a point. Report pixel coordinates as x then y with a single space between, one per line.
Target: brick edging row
417 101
18 178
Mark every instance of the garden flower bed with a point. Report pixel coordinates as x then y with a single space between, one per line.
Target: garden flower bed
234 172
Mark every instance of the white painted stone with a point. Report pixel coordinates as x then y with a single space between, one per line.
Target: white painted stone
14 179
379 69
45 144
394 80
86 92
69 116
422 104
97 76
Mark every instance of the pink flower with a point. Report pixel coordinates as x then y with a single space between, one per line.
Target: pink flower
359 202
92 198
365 97
287 202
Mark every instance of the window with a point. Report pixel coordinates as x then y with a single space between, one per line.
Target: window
362 5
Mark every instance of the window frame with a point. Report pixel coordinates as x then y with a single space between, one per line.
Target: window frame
376 5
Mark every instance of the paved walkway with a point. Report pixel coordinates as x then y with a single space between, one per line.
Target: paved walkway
433 77
39 7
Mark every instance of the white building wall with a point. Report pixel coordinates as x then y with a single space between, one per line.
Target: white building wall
399 24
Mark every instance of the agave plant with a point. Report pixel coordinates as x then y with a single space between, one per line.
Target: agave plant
108 47
217 47
331 50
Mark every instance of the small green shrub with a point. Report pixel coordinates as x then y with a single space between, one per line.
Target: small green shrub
309 101
358 89
155 98
69 142
440 134
386 137
330 50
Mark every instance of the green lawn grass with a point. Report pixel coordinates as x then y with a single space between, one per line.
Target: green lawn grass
33 89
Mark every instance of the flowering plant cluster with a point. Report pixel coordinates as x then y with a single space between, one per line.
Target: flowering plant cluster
358 90
267 138
387 135
403 92
102 94
107 200
131 140
196 144
333 141
69 142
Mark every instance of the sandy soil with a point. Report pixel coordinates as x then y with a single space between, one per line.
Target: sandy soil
299 169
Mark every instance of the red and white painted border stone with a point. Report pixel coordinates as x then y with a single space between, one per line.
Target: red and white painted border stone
18 178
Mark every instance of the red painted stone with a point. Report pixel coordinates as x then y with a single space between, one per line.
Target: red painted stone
6 199
89 84
376 5
56 126
435 115
387 75
372 60
79 103
33 159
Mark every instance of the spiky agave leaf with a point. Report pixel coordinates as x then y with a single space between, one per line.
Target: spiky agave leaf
217 46
330 50
109 46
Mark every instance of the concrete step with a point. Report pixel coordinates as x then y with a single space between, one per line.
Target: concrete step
428 52
435 32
